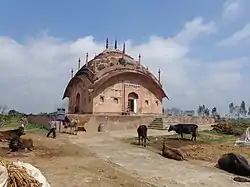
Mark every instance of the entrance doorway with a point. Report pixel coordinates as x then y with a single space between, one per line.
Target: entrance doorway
132 102
77 106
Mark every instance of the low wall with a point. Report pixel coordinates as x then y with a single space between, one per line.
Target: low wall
120 122
199 120
40 119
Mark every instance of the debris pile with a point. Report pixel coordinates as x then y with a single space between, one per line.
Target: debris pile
18 176
231 128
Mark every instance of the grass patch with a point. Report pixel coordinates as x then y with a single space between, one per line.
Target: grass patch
203 137
213 136
33 126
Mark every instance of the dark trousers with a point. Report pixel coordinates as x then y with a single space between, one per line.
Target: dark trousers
53 130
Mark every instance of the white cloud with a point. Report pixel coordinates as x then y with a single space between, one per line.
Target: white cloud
232 9
34 74
239 37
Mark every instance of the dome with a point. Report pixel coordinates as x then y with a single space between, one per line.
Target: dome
109 58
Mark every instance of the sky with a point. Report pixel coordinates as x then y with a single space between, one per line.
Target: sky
201 47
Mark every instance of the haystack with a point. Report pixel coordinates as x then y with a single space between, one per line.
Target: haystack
17 175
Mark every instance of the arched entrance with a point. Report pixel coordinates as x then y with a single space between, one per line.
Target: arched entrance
77 106
132 102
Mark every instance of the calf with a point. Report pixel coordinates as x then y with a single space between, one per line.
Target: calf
142 132
185 129
172 153
26 144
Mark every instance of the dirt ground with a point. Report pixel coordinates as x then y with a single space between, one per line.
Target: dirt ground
66 164
210 146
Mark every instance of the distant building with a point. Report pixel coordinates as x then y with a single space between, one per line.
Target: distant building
188 113
178 112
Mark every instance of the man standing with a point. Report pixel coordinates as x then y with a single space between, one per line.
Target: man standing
52 128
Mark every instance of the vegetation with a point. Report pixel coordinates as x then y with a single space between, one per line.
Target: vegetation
124 62
14 122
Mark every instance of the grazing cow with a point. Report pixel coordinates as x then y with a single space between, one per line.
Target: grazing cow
236 164
185 129
142 132
172 153
14 143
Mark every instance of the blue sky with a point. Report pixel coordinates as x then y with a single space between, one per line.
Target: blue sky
184 38
124 19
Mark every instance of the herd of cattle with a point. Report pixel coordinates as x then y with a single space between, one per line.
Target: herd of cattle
232 162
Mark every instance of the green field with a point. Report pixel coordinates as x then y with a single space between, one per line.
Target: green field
12 122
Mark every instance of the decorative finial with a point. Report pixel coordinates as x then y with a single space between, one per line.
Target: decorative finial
159 75
87 58
123 49
115 43
107 43
139 58
72 73
79 63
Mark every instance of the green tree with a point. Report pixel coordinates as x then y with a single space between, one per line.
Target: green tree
214 112
231 108
206 112
243 110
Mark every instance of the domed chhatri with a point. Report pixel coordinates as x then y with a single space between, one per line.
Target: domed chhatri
113 82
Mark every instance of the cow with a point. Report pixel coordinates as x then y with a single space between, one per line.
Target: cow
72 124
14 143
172 153
236 164
26 144
185 129
142 132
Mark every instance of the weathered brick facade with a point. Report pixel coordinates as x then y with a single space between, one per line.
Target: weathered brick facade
114 82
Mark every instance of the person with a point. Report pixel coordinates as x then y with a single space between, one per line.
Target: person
52 128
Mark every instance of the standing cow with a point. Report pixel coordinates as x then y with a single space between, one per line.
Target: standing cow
185 129
71 124
142 132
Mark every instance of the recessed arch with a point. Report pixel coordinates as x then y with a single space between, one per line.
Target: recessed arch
133 102
77 106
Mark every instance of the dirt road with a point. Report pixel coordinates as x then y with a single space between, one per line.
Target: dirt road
67 165
149 166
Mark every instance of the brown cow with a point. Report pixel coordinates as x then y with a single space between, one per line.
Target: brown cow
172 153
26 144
142 132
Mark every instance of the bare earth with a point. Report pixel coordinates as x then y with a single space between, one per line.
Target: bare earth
102 159
67 165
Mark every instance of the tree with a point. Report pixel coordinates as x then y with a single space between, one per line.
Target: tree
214 112
207 112
243 110
199 111
231 108
249 110
3 108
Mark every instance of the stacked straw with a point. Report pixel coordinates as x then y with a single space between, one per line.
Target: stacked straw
18 176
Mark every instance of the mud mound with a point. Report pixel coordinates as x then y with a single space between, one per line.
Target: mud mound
231 128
